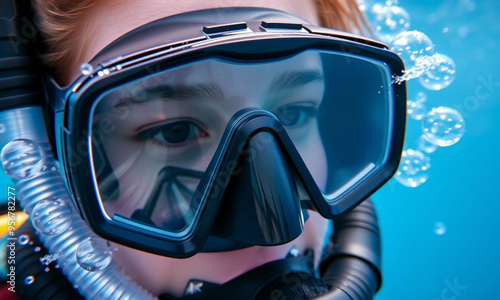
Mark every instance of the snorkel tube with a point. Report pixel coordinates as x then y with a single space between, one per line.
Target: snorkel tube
27 157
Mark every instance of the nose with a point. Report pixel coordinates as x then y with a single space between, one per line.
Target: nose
261 204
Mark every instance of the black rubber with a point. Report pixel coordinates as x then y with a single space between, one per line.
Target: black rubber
20 83
293 286
352 261
47 285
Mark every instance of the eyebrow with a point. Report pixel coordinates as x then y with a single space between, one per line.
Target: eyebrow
291 80
198 92
212 92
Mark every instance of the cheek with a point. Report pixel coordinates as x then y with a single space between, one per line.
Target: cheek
153 272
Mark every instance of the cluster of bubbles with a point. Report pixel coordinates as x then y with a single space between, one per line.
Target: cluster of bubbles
391 25
24 159
441 126
46 260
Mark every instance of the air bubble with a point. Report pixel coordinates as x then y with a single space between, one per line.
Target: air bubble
416 50
37 249
62 260
425 146
364 5
440 75
22 158
443 126
388 21
416 110
23 239
52 217
29 280
413 169
439 228
47 259
47 269
94 254
421 97
86 69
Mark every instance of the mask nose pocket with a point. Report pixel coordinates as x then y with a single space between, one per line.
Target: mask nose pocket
267 211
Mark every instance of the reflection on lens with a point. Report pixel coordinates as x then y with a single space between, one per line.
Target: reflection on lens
152 144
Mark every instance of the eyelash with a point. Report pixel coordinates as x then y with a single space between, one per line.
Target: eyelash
310 111
194 131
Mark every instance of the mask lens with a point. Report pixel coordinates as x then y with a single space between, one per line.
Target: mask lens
353 124
154 138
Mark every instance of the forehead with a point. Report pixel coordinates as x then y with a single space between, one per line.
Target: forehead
247 74
219 80
108 20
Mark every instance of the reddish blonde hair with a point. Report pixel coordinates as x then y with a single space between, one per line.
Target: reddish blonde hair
342 15
59 21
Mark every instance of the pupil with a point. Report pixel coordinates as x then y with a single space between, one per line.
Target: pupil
290 116
176 133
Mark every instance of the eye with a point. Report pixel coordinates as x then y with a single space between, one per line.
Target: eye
295 115
174 133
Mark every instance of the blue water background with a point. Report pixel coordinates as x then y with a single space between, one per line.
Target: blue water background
462 191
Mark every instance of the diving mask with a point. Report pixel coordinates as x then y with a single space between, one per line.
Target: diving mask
199 127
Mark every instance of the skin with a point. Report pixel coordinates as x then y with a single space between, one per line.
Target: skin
107 21
137 143
110 19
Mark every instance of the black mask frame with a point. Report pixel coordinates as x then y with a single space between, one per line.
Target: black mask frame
262 37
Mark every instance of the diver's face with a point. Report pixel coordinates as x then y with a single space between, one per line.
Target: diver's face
110 19
177 119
